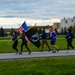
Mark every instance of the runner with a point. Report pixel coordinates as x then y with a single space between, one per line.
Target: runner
69 36
53 40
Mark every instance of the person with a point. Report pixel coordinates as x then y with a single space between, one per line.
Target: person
53 40
24 42
44 39
15 39
69 36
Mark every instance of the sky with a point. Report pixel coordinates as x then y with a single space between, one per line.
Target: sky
42 12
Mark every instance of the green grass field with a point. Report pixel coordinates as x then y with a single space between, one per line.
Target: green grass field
39 66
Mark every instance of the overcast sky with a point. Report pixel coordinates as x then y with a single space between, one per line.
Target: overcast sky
14 12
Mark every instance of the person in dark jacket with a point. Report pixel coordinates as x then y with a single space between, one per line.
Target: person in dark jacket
44 39
15 39
24 42
69 36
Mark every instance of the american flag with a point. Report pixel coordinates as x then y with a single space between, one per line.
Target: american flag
22 27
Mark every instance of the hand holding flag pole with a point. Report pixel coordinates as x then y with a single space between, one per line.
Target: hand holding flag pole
10 41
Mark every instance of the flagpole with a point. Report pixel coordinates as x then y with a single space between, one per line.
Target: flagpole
9 42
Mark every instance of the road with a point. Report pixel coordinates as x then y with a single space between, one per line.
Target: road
7 56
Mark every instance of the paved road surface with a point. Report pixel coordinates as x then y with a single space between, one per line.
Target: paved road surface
36 54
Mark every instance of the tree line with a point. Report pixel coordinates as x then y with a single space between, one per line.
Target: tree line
11 31
5 33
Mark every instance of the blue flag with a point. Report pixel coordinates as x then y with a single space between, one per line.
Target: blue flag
23 27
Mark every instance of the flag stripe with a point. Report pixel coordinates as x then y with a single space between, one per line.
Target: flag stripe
27 39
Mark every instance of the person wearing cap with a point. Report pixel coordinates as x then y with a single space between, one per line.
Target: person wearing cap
53 40
69 37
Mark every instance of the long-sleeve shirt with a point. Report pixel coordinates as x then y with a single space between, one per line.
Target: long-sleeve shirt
23 37
69 36
44 36
15 37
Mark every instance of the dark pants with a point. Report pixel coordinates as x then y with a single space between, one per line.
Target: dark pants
24 43
69 44
15 45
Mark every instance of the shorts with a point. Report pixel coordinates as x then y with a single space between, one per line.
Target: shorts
52 42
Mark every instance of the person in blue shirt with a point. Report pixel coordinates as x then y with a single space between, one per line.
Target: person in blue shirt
53 40
15 40
44 39
69 36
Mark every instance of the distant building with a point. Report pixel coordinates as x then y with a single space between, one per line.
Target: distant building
56 25
67 22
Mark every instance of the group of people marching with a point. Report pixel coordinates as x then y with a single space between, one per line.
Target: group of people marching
69 36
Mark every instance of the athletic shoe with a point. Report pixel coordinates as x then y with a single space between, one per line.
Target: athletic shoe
29 52
54 52
20 53
58 50
17 52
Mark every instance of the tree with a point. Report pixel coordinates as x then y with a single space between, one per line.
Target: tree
12 31
65 30
62 31
2 32
71 27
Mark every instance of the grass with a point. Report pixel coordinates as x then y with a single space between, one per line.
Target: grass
39 66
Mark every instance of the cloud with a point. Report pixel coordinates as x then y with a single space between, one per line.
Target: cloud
16 22
40 11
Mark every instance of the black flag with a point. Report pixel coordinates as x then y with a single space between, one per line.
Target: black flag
33 36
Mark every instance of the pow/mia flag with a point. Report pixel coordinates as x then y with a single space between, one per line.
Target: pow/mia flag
33 36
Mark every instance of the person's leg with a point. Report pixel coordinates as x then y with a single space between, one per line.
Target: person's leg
56 48
15 46
26 46
22 46
71 45
53 47
16 43
68 45
47 44
42 45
